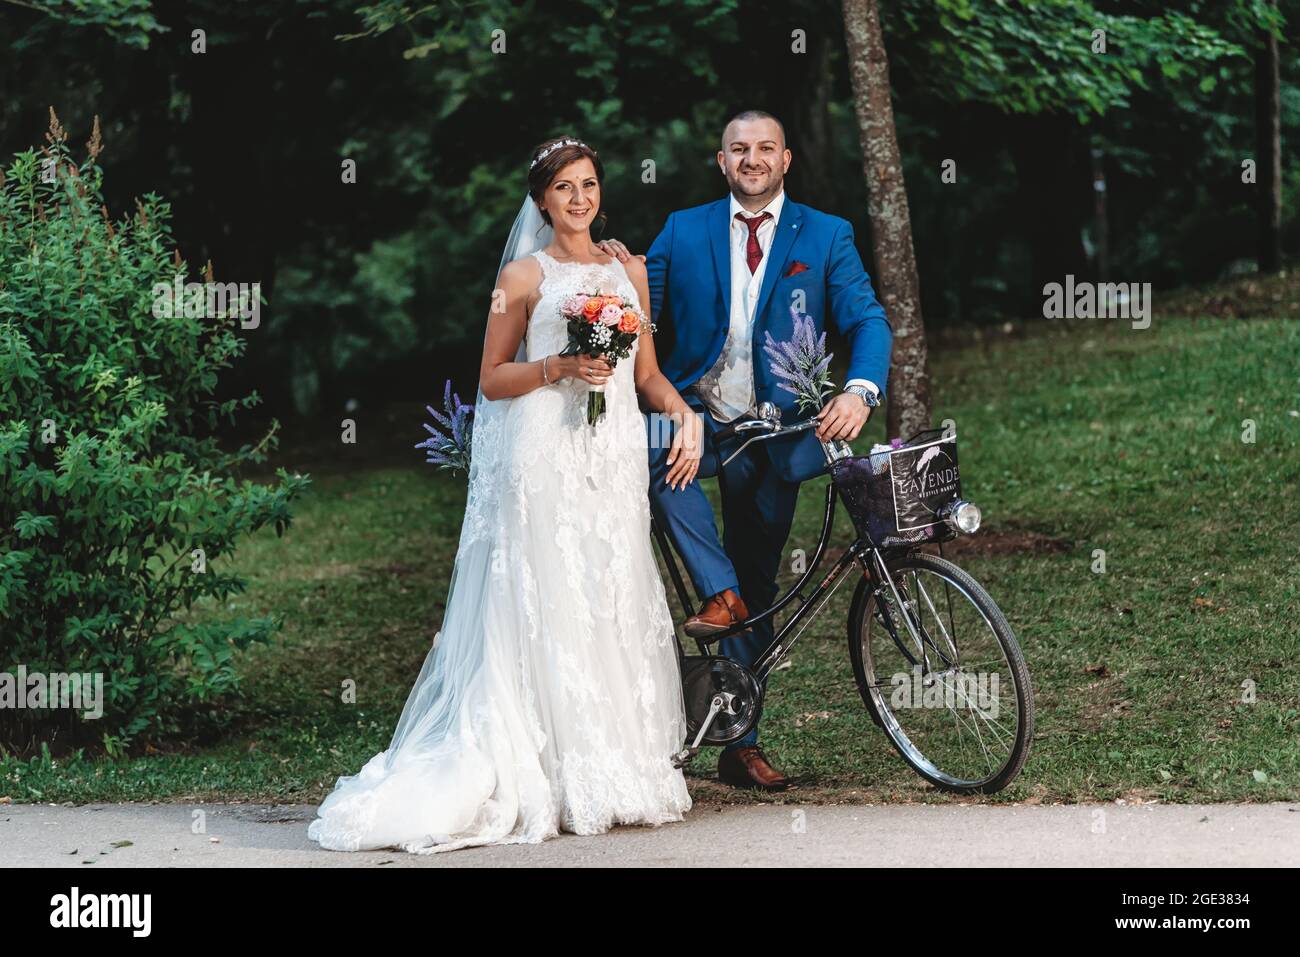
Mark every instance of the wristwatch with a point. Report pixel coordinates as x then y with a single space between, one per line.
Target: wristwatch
872 399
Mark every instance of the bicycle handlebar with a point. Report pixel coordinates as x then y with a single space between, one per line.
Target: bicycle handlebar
756 430
761 428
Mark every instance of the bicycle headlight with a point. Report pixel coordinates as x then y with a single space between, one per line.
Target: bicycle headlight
962 516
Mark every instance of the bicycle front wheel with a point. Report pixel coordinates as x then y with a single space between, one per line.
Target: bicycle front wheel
941 672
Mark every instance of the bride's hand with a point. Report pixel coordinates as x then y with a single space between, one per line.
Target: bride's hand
687 448
612 247
593 369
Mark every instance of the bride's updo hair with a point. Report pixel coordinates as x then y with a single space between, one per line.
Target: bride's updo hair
551 156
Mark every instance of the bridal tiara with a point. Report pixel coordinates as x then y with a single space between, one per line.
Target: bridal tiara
555 146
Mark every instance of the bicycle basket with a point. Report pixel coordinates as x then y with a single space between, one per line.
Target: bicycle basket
894 497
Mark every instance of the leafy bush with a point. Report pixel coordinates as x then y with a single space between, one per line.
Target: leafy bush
118 508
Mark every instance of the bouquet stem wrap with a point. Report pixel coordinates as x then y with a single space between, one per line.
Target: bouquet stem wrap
595 404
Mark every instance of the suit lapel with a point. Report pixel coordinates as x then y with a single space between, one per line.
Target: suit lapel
720 242
787 231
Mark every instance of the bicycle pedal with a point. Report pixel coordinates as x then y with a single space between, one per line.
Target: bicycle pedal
683 757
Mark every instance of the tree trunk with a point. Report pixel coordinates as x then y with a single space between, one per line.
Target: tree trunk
1268 146
891 225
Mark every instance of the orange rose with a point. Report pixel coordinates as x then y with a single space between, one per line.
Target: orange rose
630 322
591 309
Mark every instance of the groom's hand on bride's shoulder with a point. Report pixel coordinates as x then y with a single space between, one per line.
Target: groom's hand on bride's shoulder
842 418
613 247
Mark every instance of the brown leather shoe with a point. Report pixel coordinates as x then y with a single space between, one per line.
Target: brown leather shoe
718 614
748 768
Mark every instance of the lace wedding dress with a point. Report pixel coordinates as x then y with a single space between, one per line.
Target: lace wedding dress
551 699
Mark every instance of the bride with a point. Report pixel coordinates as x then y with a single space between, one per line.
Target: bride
551 698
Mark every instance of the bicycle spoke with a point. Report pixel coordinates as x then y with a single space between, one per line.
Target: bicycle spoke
971 706
979 713
956 658
918 635
980 740
912 607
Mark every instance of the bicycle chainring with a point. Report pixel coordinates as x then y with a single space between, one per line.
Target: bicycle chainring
705 677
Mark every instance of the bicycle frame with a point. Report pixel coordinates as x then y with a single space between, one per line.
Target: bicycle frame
873 562
771 657
872 559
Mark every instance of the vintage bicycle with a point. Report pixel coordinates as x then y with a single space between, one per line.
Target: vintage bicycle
936 663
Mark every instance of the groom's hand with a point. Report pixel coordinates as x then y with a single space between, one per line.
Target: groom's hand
612 247
843 418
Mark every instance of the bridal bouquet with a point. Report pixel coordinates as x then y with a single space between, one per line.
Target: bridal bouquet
606 326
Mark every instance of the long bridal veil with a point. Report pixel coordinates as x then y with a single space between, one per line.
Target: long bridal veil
436 786
430 706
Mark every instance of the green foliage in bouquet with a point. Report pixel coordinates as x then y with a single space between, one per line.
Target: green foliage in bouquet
119 512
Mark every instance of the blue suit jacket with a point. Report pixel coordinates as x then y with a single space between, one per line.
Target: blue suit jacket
690 300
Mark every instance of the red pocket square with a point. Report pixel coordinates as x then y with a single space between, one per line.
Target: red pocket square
796 267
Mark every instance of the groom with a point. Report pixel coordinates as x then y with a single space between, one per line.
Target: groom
721 275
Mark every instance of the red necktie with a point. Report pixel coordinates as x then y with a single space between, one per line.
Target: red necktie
753 251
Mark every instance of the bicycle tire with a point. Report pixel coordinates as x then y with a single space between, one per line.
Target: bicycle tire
861 617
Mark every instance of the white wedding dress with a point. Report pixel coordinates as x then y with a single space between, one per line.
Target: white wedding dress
551 698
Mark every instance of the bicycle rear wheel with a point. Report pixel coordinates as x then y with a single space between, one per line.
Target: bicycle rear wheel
941 672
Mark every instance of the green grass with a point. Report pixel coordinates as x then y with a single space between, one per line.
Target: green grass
1104 438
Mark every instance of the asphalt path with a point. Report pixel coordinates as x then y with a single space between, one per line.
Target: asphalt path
744 835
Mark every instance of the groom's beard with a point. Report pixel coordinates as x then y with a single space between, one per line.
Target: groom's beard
767 187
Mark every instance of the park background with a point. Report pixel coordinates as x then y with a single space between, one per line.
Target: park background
1172 676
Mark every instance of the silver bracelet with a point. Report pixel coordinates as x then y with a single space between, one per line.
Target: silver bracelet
545 378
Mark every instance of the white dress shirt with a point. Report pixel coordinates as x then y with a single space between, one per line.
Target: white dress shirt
727 389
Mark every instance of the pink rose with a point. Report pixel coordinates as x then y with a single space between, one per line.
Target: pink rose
611 315
573 305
